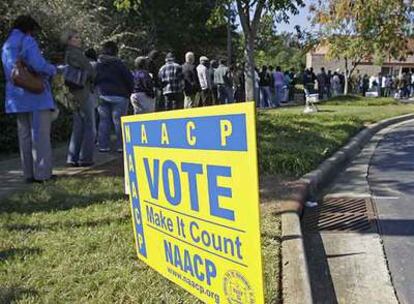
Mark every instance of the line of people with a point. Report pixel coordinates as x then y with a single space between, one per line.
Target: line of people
326 84
401 86
274 87
102 88
101 85
176 86
330 84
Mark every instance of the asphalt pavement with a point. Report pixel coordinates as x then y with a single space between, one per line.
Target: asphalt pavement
362 250
391 180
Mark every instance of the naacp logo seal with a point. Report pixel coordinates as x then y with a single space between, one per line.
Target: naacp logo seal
237 289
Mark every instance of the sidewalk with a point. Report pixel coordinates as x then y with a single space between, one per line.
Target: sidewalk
345 253
11 176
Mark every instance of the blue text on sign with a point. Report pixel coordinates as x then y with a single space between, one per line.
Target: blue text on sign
168 172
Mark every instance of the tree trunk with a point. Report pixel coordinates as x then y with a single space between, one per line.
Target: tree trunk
249 69
229 44
250 30
346 86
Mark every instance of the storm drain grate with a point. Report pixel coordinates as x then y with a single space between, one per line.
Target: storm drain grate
341 214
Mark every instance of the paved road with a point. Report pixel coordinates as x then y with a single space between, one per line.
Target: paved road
391 179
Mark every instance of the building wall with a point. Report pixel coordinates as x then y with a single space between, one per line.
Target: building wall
317 61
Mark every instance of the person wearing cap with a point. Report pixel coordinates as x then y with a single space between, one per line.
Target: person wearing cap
205 81
172 82
191 82
142 98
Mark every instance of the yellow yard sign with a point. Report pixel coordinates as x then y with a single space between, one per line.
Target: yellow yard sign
193 184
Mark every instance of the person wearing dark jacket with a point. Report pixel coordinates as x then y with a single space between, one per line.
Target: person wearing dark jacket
191 82
322 83
328 84
114 84
211 70
142 98
153 66
264 85
365 84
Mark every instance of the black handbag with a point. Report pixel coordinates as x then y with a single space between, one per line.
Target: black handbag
75 79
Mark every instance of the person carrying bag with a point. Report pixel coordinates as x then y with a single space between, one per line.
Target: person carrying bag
29 97
79 76
22 76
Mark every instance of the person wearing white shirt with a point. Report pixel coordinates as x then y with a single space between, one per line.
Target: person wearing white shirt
373 82
205 83
412 84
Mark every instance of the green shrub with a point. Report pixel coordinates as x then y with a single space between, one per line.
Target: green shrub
360 101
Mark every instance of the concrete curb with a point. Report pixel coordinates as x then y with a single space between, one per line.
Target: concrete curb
296 286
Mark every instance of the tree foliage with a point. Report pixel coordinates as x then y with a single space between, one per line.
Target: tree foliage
97 21
251 13
141 25
285 50
179 26
357 30
137 25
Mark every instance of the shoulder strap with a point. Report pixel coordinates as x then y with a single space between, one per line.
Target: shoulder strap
21 47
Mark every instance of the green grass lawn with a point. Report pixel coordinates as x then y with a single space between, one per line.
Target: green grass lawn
292 143
71 241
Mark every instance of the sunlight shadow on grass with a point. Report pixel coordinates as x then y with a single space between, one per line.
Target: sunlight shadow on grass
67 224
18 252
14 293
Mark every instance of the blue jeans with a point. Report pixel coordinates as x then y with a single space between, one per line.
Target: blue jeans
278 94
256 96
223 94
230 95
110 113
82 141
265 97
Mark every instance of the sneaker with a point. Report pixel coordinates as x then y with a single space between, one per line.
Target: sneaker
104 150
42 181
310 204
90 164
72 164
29 180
